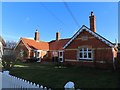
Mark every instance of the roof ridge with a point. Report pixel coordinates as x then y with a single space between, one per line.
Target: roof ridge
60 39
33 40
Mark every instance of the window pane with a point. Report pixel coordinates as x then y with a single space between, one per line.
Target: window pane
89 55
60 53
89 49
80 55
38 54
85 49
60 59
80 49
85 54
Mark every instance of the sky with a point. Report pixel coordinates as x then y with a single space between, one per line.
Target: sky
21 19
119 23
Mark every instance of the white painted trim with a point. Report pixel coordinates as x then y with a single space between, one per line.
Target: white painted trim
69 60
86 59
36 51
91 32
59 54
87 54
55 50
60 50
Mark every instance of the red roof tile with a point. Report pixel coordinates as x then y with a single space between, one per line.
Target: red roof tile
36 45
58 44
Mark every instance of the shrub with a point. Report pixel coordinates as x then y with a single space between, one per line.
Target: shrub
9 60
117 63
32 60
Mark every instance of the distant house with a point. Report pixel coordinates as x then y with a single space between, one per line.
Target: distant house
2 44
85 47
28 48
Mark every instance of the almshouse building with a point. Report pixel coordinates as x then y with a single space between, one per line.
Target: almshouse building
85 47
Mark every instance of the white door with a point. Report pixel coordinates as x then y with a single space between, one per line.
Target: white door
38 55
60 56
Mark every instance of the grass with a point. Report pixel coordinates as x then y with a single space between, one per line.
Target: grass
51 76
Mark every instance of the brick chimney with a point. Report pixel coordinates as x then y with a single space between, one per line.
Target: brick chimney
36 36
92 22
57 36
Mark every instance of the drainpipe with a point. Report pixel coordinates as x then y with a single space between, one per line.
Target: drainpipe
113 59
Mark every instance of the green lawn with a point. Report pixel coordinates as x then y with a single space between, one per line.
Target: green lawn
0 66
51 76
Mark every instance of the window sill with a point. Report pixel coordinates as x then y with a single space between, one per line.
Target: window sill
85 60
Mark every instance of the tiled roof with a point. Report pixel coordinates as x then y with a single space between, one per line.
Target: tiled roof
58 44
35 45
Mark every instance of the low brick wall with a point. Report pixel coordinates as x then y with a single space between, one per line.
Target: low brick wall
80 63
92 64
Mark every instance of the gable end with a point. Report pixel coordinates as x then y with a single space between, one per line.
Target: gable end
23 43
91 32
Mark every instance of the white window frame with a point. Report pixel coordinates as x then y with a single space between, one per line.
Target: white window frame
87 51
36 55
21 52
61 56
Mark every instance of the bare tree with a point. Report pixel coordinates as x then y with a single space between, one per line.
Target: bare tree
9 60
11 44
9 56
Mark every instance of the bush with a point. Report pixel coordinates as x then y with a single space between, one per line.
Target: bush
9 60
117 63
32 60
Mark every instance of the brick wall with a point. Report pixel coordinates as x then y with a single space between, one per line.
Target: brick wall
92 41
102 53
70 54
20 47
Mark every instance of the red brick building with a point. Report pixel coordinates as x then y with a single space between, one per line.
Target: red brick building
85 47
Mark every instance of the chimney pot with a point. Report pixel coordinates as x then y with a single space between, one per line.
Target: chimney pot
92 13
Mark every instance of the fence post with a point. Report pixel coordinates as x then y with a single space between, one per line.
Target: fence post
10 81
6 72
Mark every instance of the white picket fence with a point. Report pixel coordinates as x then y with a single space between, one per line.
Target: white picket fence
9 81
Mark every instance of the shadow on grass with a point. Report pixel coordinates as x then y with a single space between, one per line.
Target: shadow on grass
55 77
